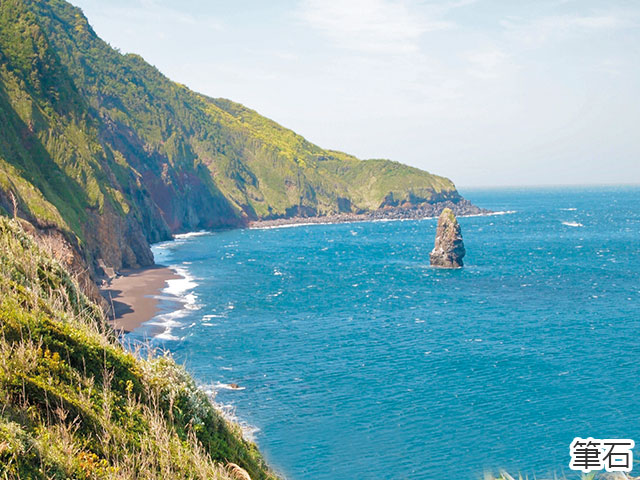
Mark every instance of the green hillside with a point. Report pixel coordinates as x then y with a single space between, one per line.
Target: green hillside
75 405
109 154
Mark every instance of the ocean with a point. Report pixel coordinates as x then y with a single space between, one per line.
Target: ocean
357 360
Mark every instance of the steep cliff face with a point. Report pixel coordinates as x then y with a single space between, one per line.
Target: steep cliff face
63 178
104 150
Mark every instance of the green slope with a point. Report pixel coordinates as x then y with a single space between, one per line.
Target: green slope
75 405
104 148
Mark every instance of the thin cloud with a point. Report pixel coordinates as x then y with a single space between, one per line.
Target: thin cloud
373 26
557 27
487 64
152 13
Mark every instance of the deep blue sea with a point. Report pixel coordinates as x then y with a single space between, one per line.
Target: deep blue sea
358 361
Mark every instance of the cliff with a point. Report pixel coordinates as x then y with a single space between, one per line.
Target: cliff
104 154
75 404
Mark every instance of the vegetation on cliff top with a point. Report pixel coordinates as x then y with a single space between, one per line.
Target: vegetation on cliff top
74 404
104 148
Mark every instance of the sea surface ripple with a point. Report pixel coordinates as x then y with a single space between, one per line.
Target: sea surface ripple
357 360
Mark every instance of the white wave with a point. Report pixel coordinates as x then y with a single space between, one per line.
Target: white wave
182 236
384 220
168 319
502 212
492 214
178 286
569 209
226 386
289 225
228 411
166 335
178 290
190 302
573 224
166 298
163 245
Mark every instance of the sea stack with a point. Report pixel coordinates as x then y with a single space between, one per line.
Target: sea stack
449 248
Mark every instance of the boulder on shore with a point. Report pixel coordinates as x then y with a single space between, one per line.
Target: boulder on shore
449 247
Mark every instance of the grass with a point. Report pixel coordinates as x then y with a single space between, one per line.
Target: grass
74 403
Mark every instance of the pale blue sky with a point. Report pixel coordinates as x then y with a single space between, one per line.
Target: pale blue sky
485 92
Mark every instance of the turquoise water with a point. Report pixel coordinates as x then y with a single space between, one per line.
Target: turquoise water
358 360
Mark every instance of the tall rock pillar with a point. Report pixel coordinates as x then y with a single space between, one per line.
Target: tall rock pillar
449 247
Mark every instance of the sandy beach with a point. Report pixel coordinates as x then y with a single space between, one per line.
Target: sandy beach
132 295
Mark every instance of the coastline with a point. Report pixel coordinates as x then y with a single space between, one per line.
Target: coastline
462 208
133 297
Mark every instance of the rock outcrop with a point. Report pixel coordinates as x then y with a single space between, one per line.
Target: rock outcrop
449 247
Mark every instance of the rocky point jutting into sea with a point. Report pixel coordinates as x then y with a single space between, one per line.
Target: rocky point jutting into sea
461 207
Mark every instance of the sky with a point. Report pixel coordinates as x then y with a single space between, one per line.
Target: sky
485 92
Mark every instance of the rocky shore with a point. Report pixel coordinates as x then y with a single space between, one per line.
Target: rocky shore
460 208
